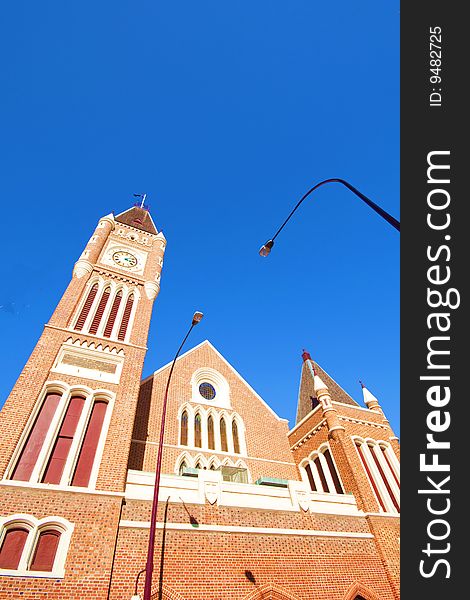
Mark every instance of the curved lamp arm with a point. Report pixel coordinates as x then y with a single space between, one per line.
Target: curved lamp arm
391 220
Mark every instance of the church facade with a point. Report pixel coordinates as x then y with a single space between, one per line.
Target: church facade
248 508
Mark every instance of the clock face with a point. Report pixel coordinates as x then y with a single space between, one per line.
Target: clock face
124 259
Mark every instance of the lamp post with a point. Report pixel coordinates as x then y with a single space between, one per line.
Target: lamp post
266 248
153 519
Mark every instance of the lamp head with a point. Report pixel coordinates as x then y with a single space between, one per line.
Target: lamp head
197 317
266 249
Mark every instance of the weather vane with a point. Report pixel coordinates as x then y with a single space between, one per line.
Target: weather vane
141 204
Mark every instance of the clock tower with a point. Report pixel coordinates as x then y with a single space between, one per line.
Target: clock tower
67 424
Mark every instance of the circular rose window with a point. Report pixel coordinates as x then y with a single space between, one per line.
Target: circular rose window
207 391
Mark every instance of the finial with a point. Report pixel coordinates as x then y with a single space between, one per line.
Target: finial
306 355
362 384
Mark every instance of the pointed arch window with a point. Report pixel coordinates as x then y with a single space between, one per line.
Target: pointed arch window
223 435
183 466
197 431
210 433
321 472
113 314
184 429
376 459
125 318
86 307
236 442
100 310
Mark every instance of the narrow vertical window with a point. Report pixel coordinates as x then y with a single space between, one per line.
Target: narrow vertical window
197 431
87 453
223 435
12 547
369 475
100 310
86 308
321 474
236 443
184 429
385 454
384 479
182 467
311 480
125 318
46 549
112 315
210 433
32 448
333 472
60 452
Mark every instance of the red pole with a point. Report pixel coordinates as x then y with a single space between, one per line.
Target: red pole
153 519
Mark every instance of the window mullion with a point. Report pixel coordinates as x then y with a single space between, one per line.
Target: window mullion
217 440
27 550
204 433
77 438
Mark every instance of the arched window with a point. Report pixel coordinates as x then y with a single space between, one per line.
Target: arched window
198 465
68 456
223 435
321 472
125 318
210 433
45 552
113 314
100 310
30 546
183 466
236 443
308 470
184 429
61 448
197 431
86 307
12 547
30 453
87 452
212 467
376 459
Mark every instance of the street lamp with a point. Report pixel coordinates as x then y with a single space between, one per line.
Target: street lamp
153 519
266 248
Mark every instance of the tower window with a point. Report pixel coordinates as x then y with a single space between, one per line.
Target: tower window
125 318
86 307
319 471
210 433
68 456
236 443
113 314
30 453
223 435
378 462
207 391
100 310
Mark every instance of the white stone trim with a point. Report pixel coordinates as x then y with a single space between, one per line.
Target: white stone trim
319 453
250 530
35 526
59 488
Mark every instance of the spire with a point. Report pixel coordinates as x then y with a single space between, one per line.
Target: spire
138 216
369 399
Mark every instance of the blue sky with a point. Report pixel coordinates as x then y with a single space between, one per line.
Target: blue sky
224 113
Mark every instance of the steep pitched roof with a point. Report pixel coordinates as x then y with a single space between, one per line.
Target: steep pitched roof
306 391
139 218
232 368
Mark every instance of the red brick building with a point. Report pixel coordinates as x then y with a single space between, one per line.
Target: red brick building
248 508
